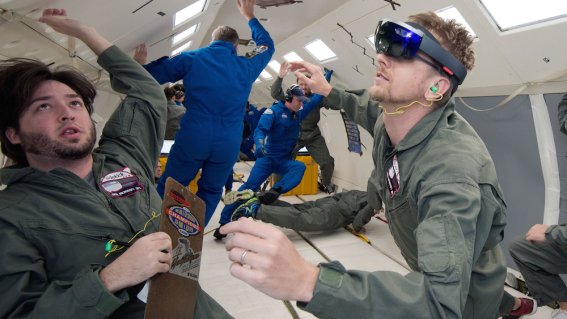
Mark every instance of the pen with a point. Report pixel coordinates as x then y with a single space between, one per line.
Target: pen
359 235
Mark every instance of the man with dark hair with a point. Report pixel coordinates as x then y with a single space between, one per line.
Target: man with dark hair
310 136
29 74
63 204
217 85
174 113
179 94
434 176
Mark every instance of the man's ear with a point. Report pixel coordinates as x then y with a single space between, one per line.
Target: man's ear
12 135
439 88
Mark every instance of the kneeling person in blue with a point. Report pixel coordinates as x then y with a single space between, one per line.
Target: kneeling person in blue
275 137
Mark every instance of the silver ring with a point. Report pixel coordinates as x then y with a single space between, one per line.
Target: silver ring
242 256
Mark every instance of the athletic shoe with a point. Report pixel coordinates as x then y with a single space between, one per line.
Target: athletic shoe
527 307
329 189
268 197
559 314
218 234
233 197
248 209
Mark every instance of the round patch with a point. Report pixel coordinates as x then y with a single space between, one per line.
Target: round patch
183 220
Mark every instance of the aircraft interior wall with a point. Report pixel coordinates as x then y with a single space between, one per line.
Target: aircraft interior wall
560 139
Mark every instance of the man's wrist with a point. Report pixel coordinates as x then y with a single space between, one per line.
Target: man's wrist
326 90
312 274
108 280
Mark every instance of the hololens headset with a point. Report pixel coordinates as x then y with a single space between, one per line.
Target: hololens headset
398 39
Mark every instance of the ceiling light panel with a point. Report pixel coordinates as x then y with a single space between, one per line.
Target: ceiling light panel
185 34
320 51
189 12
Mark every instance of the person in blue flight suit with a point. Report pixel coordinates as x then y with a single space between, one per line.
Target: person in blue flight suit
251 118
275 138
179 94
217 85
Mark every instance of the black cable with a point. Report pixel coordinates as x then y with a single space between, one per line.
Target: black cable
358 45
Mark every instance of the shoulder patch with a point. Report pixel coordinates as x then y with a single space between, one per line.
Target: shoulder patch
257 50
269 111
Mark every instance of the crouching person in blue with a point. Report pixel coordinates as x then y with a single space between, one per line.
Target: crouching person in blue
275 137
61 202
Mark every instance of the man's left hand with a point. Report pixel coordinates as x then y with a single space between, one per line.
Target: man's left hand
267 260
141 54
537 233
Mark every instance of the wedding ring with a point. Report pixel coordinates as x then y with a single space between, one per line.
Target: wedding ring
242 256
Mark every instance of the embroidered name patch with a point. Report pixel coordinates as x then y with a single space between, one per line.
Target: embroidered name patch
183 220
121 183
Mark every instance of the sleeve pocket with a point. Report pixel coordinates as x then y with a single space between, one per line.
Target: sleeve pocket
435 257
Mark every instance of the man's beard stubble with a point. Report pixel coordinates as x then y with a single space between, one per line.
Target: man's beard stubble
41 144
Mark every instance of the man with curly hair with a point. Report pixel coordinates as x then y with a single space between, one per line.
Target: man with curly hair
434 177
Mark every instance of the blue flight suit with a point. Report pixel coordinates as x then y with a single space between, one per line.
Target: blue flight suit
251 119
279 127
217 85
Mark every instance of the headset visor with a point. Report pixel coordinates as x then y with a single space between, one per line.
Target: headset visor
398 39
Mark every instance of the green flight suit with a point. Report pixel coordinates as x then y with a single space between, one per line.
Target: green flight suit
54 225
446 213
541 263
326 213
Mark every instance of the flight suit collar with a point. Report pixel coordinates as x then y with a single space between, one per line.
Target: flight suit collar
427 125
228 45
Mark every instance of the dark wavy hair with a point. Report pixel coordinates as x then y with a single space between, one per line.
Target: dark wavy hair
19 79
169 93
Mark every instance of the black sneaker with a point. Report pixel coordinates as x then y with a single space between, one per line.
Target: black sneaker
329 189
268 197
218 234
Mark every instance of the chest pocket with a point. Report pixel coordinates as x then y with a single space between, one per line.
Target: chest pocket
289 126
403 223
67 248
287 120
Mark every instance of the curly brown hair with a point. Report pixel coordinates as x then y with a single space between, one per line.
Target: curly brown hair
451 35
